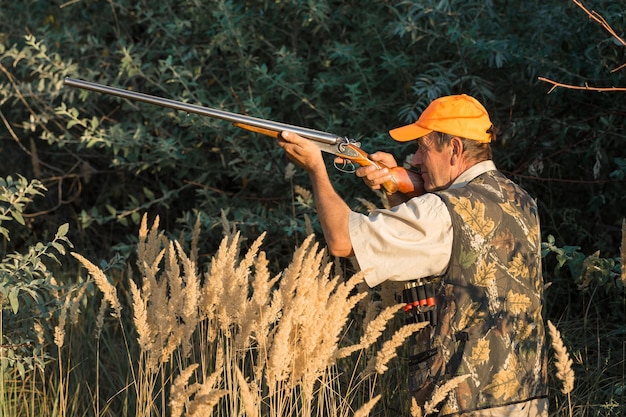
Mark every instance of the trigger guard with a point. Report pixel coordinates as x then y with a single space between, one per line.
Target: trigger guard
342 168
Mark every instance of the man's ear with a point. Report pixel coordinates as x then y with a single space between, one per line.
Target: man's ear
456 145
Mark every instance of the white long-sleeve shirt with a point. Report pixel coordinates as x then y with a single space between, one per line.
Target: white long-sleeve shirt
409 241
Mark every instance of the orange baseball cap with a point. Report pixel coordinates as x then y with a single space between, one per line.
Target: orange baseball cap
459 115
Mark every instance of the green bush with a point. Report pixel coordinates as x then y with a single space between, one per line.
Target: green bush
28 288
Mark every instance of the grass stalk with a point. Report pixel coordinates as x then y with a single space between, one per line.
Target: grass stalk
3 394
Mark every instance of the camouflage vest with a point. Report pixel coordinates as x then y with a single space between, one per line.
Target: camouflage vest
490 326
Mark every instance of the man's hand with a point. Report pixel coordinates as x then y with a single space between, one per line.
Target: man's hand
301 151
410 182
374 177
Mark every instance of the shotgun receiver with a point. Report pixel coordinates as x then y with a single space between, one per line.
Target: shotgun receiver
342 147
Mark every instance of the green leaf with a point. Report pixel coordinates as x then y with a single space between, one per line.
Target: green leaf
18 217
63 229
13 300
60 248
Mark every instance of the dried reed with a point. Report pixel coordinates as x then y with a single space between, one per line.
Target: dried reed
563 362
388 350
179 393
108 290
366 408
250 397
441 392
416 410
240 337
373 329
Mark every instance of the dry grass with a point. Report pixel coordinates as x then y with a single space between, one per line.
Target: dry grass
563 362
441 392
242 340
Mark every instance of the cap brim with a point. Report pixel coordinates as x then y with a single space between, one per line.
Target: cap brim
408 132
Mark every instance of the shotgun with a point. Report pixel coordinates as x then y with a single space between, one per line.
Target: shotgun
342 147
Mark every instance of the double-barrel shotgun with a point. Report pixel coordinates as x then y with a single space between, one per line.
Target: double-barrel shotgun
342 147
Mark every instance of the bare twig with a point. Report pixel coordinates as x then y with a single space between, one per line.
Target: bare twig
596 16
599 19
556 84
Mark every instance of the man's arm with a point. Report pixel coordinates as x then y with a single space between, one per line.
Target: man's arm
332 210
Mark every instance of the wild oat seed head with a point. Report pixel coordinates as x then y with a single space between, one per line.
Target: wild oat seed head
108 290
377 326
281 353
59 336
195 238
441 392
416 410
249 396
179 394
388 350
59 330
366 408
191 295
204 401
149 243
563 362
308 225
140 318
100 318
76 302
40 332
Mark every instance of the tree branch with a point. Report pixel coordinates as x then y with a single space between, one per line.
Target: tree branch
556 84
598 18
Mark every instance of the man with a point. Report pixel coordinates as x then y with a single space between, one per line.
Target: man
473 235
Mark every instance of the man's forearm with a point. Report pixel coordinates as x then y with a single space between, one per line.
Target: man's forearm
333 214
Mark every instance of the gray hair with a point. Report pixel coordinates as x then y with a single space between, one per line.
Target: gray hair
472 149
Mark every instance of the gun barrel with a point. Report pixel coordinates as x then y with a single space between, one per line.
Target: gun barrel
313 134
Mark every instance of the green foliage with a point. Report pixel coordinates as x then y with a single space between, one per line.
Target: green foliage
587 271
586 295
27 285
14 196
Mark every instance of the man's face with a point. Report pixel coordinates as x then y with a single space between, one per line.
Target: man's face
436 165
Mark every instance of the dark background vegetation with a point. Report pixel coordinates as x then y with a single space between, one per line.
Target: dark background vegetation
355 68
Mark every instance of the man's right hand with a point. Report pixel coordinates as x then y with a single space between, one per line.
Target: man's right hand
410 182
374 177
